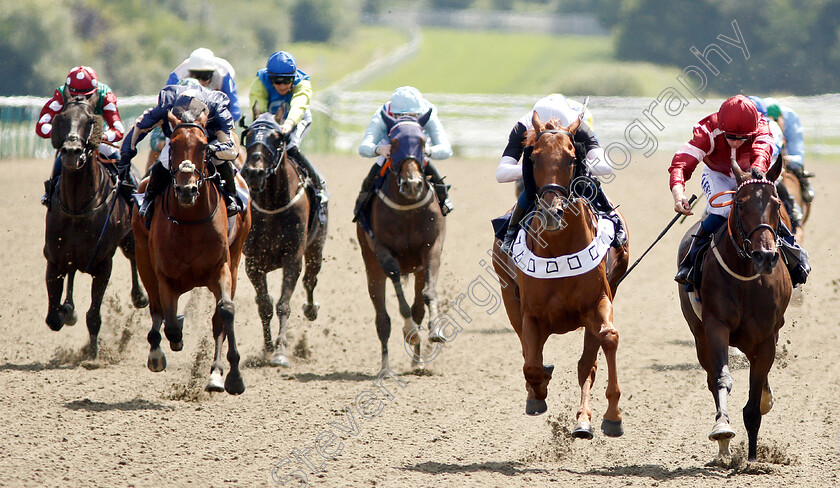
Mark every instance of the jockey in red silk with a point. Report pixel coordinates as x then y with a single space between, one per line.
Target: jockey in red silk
81 82
736 131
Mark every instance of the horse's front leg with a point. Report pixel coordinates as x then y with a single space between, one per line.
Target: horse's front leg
69 308
291 272
138 296
55 285
97 293
173 324
719 379
223 328
587 366
265 303
376 290
430 295
607 334
314 257
391 267
536 374
754 409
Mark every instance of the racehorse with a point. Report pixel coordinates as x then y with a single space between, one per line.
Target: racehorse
563 275
283 233
407 233
744 292
190 244
792 186
86 221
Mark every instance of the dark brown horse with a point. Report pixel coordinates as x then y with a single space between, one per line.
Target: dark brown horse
791 184
281 236
563 275
189 245
745 290
408 231
86 221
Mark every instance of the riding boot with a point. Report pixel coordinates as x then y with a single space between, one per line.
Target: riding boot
513 228
804 181
687 264
794 210
158 180
52 183
225 169
796 258
441 188
602 204
321 194
366 192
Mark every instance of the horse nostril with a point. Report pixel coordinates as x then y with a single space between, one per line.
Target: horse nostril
775 259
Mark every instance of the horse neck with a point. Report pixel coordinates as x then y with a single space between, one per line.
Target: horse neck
574 236
282 186
78 188
724 241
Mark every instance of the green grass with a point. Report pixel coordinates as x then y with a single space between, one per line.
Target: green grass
452 61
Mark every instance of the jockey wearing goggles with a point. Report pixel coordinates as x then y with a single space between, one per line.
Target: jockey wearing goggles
282 85
81 82
735 131
211 72
405 101
794 144
587 148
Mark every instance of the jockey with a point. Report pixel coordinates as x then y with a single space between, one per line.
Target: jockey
81 82
282 85
794 144
212 72
190 100
586 145
735 131
405 101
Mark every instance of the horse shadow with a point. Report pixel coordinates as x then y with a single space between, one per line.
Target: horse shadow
507 468
123 406
333 376
652 471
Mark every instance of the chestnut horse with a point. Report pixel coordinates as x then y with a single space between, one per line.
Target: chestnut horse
188 245
281 236
408 229
745 290
86 220
563 275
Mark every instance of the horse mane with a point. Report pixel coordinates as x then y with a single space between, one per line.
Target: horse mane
531 134
96 131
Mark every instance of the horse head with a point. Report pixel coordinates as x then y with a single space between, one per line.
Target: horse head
755 216
553 156
187 156
407 153
77 132
265 147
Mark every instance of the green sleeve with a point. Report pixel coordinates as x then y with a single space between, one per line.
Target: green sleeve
258 95
301 96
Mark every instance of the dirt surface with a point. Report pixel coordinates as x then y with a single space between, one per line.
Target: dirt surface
111 422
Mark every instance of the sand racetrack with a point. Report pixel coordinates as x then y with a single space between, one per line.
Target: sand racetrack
112 422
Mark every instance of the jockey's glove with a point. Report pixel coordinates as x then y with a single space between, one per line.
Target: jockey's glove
222 150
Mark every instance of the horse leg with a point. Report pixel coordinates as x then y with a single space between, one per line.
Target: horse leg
138 296
291 272
156 361
608 338
265 303
430 292
376 291
69 308
719 379
587 366
391 267
536 374
759 369
94 316
55 285
225 312
313 258
172 323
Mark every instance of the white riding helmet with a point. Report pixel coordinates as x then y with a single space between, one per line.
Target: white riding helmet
406 100
202 59
555 105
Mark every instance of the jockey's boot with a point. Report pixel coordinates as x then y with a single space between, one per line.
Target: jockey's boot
795 257
366 192
513 228
804 182
158 180
441 188
50 184
320 184
602 204
687 264
225 169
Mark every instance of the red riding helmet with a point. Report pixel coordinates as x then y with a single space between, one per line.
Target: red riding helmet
81 81
738 115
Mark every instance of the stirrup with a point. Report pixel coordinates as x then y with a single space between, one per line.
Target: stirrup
507 243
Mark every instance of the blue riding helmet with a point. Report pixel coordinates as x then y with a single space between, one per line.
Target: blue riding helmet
759 105
281 63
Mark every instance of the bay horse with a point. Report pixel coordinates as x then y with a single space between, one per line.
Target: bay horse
744 292
86 221
563 275
190 244
407 233
283 232
790 183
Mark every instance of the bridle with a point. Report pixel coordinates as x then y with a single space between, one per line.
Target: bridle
203 177
734 215
260 132
87 152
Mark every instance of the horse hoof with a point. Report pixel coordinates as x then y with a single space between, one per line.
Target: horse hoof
279 359
156 361
722 431
535 407
215 383
436 336
234 384
140 300
69 316
583 430
55 324
176 346
612 428
311 311
548 369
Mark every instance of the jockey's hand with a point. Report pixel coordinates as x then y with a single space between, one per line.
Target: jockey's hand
681 204
427 150
286 128
384 151
126 189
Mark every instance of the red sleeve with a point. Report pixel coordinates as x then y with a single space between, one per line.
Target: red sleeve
762 150
689 156
44 126
111 114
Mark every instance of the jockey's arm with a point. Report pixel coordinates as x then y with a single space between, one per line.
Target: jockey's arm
509 168
111 114
258 96
440 148
44 126
596 160
375 133
794 138
301 98
229 89
150 119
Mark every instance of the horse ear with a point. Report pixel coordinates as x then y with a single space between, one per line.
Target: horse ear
95 138
573 128
279 115
425 117
775 169
537 123
255 111
736 170
173 120
389 121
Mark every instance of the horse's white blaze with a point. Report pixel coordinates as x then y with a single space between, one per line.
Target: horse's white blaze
186 166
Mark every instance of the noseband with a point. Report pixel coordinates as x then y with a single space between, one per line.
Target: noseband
554 187
742 234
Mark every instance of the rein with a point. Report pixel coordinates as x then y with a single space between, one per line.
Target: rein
276 157
188 166
742 234
86 209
